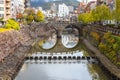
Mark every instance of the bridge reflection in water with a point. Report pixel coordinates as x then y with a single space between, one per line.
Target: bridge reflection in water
62 61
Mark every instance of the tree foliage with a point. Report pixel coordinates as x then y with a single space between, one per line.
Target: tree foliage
39 16
100 13
85 18
30 16
110 46
12 24
116 12
19 16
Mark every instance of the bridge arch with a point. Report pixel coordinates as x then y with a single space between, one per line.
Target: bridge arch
58 28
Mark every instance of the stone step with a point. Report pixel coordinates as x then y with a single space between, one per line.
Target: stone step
59 58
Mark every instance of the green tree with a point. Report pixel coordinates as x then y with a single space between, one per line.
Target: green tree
30 18
29 15
85 18
1 20
116 13
101 13
39 16
12 24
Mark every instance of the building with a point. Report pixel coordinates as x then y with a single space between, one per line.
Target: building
17 6
85 1
54 8
63 10
1 8
10 8
81 7
71 8
99 2
40 8
111 4
27 3
90 6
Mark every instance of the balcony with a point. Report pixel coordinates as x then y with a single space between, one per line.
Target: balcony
7 12
7 5
8 0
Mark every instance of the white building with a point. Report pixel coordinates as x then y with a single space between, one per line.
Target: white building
93 5
9 8
54 8
17 6
1 8
71 8
63 10
40 8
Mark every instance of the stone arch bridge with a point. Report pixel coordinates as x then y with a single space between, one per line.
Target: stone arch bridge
50 28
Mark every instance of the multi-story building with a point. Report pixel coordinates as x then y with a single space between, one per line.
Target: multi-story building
91 5
10 8
63 10
1 8
54 7
81 7
17 6
71 8
27 3
85 1
99 2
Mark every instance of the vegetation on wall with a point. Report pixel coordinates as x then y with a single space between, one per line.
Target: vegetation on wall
12 24
108 44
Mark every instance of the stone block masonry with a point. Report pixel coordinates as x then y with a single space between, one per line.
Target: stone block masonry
9 41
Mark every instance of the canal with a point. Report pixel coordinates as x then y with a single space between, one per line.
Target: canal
61 69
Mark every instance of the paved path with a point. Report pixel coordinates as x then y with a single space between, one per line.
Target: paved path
105 61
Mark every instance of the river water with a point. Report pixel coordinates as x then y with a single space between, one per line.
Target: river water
61 69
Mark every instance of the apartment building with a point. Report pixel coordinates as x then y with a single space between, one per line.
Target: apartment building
10 8
63 10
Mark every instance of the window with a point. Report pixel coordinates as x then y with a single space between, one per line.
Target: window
1 8
1 15
1 2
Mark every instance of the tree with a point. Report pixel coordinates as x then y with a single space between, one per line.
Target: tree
85 18
30 18
116 13
39 16
19 16
101 13
12 24
29 15
1 20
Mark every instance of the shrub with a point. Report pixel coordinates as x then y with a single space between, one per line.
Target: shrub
12 24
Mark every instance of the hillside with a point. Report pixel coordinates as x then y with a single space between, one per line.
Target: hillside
47 3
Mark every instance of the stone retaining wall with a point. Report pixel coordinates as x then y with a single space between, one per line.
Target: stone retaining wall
9 41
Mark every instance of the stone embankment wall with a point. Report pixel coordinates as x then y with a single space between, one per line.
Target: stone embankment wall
14 46
9 41
12 52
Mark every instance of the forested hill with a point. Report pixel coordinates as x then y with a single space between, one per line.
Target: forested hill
47 3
